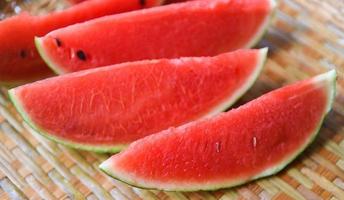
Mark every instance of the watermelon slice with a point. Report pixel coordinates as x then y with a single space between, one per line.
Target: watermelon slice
20 61
195 28
256 140
105 109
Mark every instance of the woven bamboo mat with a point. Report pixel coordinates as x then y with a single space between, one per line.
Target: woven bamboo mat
306 38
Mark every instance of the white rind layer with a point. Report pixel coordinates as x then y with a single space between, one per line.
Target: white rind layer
263 28
96 148
242 90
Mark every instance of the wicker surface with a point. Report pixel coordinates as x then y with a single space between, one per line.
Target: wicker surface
35 7
307 38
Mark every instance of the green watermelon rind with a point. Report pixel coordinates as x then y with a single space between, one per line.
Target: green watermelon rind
45 57
255 39
264 27
117 148
330 79
27 119
243 89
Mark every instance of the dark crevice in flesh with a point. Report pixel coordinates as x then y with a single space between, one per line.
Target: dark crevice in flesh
23 54
58 42
142 2
81 55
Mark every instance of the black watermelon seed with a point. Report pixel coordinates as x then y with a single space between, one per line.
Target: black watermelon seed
142 2
23 54
58 42
81 55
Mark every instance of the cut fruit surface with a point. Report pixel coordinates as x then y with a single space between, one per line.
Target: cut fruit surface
194 28
255 140
20 61
105 109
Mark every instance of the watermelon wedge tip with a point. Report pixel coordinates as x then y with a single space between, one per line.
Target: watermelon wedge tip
253 141
45 57
95 148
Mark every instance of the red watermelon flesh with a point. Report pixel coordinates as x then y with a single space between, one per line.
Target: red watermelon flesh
195 28
105 109
255 140
20 61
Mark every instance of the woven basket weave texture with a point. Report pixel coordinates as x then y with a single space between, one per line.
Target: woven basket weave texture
306 38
